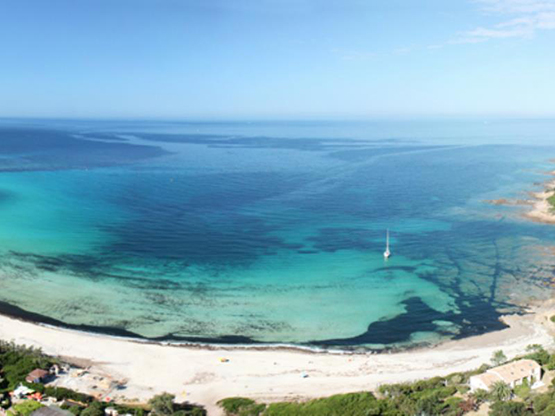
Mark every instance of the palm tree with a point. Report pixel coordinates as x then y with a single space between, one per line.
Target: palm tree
501 391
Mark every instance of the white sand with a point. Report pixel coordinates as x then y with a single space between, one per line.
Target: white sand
271 374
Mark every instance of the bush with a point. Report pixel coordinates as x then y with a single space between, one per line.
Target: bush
541 402
234 405
354 404
498 358
523 391
509 409
480 396
75 410
538 354
94 409
61 393
550 365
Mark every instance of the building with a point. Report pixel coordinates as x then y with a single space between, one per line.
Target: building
21 391
513 374
36 376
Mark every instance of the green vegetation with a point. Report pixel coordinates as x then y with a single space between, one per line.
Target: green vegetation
164 405
446 396
25 408
509 409
498 358
501 391
16 362
430 397
551 200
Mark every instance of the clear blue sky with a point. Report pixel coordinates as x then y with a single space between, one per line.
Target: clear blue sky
276 58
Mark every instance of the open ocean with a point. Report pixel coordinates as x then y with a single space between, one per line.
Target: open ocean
273 232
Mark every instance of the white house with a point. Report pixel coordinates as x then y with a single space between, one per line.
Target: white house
513 374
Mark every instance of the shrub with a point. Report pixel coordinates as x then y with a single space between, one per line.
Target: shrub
523 391
498 358
480 396
94 409
538 354
61 393
234 405
509 409
163 404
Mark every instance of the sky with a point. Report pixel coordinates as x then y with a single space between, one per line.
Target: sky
251 59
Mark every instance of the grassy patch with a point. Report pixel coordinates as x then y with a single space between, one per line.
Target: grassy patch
241 407
25 408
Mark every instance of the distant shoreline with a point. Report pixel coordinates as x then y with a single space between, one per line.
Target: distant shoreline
543 210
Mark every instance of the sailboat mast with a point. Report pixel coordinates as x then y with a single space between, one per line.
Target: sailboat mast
387 240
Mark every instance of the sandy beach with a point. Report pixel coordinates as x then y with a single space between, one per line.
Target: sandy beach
199 376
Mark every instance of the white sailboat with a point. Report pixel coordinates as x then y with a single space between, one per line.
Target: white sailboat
387 253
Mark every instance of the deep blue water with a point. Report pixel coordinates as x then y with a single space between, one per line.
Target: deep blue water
273 231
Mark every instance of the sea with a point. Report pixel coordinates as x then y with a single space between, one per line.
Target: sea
273 232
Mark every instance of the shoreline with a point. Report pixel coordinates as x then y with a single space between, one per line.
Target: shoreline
542 210
17 313
195 373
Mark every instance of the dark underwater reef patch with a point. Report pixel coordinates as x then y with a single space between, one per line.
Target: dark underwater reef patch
19 313
390 332
477 318
29 149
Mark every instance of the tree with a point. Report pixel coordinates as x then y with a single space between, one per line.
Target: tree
500 391
498 358
480 396
523 391
94 409
162 404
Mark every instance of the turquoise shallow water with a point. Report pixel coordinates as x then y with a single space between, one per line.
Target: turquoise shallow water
272 232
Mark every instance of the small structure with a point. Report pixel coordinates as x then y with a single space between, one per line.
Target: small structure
110 411
51 411
21 392
513 374
55 370
36 376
